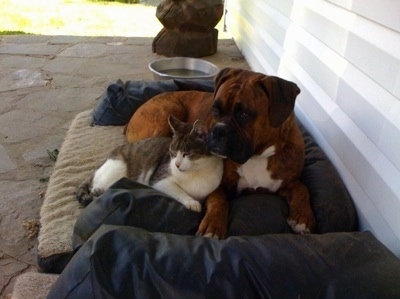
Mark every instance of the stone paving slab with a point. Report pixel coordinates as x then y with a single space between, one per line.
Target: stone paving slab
6 164
31 49
44 82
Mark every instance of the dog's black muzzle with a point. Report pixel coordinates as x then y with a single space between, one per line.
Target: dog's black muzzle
225 142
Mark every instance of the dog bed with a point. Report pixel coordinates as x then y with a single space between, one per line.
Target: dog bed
87 144
68 231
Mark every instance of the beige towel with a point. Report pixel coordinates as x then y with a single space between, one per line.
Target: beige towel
85 148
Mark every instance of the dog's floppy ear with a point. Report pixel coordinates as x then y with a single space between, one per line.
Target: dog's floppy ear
224 75
282 95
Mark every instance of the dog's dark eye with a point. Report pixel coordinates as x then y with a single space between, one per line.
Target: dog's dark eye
215 111
216 108
243 115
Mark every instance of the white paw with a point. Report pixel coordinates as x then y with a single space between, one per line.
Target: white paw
97 192
299 228
211 236
192 204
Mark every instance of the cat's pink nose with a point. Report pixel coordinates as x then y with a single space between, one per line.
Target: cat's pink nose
177 164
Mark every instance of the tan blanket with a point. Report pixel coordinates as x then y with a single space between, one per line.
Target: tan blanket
85 147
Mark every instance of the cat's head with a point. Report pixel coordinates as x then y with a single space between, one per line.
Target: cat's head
189 143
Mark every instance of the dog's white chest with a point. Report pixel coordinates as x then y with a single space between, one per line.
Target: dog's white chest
254 174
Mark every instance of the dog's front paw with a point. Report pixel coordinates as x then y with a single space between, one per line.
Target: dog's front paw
212 227
215 221
301 224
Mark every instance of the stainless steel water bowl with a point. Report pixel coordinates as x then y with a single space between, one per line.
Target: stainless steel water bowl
182 68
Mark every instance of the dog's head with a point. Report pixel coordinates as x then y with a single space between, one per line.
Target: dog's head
247 108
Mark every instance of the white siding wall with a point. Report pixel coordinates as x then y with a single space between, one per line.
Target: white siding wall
345 56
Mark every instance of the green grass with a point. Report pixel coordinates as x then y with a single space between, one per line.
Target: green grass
82 18
12 32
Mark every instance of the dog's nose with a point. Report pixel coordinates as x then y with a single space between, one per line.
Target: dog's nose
220 131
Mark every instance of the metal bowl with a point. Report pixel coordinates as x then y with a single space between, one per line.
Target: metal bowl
182 68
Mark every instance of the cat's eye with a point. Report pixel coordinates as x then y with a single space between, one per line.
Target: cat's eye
186 155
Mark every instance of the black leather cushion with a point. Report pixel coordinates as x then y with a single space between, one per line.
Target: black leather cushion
121 99
332 205
127 262
132 204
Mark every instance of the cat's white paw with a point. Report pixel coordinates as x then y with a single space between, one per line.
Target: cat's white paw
192 204
97 192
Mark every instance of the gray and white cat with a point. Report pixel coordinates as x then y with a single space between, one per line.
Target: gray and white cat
181 166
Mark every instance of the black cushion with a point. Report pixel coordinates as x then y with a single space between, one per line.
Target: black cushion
332 205
132 204
121 99
127 262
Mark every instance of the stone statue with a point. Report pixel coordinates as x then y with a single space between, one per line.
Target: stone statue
188 27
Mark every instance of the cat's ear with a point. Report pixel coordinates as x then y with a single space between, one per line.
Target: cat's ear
199 129
174 123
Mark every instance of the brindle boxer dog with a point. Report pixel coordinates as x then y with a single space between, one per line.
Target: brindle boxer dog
251 121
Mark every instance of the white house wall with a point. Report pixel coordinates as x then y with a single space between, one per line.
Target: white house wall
345 56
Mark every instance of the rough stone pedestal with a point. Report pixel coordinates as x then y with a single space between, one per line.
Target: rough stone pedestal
188 27
187 44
